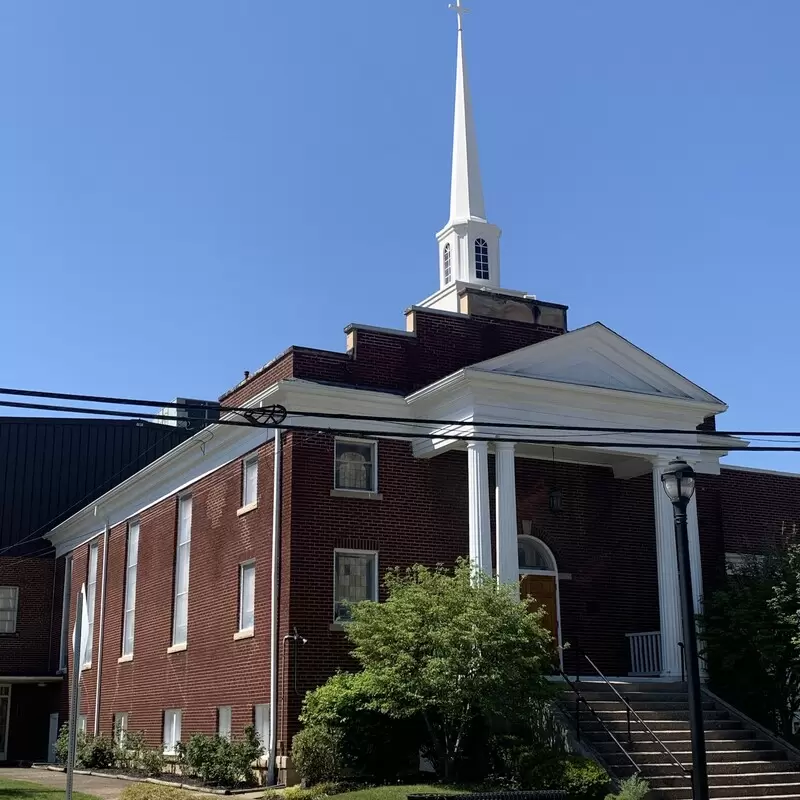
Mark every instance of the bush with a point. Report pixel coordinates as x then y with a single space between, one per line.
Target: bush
312 793
318 754
152 791
151 762
221 761
373 745
634 788
584 779
128 752
97 752
62 743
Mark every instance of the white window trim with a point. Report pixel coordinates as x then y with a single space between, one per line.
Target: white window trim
175 645
229 733
15 592
170 749
267 719
66 597
248 632
245 507
119 732
94 551
350 551
129 655
373 443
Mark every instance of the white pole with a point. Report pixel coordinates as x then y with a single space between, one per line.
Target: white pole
100 638
75 689
272 775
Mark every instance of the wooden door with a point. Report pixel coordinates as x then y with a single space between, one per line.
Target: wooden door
540 590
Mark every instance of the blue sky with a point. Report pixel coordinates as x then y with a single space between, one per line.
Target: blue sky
187 188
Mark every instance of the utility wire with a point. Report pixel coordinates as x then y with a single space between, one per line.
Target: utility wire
204 406
427 434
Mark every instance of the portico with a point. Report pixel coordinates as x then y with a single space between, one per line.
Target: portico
590 378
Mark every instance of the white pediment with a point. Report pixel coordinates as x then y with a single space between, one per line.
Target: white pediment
596 356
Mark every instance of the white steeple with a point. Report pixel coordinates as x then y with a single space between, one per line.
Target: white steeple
466 189
469 246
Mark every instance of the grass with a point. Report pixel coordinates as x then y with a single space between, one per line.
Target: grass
395 792
21 790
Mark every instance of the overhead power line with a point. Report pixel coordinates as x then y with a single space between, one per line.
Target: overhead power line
275 412
203 406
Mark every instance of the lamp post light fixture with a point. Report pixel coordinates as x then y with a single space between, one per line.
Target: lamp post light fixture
678 483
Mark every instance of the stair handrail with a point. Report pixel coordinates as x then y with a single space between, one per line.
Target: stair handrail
635 713
579 698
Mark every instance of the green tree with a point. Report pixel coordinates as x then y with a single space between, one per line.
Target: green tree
751 630
454 649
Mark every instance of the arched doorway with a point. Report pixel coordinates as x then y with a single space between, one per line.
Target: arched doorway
538 579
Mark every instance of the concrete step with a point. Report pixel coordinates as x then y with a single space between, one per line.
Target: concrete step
652 756
674 725
720 770
642 706
738 748
768 782
753 792
616 712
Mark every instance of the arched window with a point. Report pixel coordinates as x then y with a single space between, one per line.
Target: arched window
448 269
481 260
533 555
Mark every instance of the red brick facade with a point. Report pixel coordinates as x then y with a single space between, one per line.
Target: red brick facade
603 540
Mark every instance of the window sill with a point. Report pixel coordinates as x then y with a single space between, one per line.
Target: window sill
125 659
247 509
338 626
177 648
247 633
87 665
356 494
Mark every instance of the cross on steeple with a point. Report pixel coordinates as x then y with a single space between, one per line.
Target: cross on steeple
460 11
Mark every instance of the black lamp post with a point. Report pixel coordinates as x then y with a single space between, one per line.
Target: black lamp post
679 486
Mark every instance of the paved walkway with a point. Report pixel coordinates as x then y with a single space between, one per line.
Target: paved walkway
104 788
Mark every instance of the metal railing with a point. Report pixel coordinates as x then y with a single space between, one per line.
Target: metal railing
632 712
579 698
701 656
645 652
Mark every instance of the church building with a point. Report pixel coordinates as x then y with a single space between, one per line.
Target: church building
218 576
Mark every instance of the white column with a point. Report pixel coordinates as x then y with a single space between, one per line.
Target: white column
506 515
668 593
480 531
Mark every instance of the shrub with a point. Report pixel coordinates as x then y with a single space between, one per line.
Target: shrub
633 788
584 779
221 761
318 753
152 791
128 752
373 745
151 761
62 743
312 793
97 752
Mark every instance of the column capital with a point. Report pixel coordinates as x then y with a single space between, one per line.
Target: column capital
661 462
505 447
479 446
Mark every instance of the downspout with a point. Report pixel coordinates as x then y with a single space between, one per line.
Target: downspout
96 726
277 486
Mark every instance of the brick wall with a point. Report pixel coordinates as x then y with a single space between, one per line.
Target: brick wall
28 651
395 360
214 669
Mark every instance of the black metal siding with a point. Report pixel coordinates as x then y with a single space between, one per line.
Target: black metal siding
51 468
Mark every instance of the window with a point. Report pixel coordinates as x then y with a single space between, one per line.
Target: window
82 723
250 482
172 730
224 722
355 579
247 594
261 722
356 465
130 589
91 586
180 611
481 260
9 605
65 603
448 268
120 728
532 555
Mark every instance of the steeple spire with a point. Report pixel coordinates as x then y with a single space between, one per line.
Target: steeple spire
469 245
466 190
